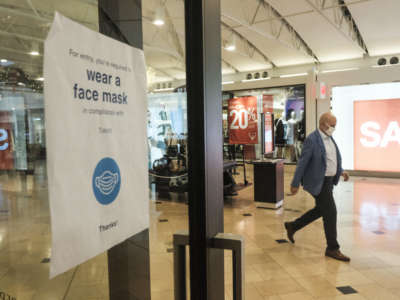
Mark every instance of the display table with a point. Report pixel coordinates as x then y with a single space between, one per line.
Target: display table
268 183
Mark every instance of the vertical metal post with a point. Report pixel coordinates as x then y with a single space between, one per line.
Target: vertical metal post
203 75
180 240
128 262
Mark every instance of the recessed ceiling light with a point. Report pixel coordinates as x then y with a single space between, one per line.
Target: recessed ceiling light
230 48
3 60
158 22
34 53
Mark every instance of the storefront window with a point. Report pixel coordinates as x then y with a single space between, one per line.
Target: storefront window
25 232
287 106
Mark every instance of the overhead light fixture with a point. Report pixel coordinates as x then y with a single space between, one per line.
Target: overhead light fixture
394 60
259 79
230 48
21 84
293 75
3 60
164 90
227 82
159 16
40 79
382 61
340 70
35 48
158 22
230 45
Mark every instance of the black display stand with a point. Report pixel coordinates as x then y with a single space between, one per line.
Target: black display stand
268 183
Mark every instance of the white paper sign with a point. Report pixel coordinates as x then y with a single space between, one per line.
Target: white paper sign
95 108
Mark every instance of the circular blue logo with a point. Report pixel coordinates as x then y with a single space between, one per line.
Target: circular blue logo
106 181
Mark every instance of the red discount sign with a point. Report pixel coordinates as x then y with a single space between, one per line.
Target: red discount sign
6 154
377 135
242 120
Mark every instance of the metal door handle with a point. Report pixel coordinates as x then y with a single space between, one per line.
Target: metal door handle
224 241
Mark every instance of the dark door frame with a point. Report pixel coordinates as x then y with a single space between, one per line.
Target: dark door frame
205 145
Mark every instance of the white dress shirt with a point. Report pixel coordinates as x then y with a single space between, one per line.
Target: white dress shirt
331 156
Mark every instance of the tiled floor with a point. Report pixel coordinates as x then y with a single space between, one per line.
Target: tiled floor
368 228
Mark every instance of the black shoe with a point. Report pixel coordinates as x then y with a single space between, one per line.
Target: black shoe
290 231
336 254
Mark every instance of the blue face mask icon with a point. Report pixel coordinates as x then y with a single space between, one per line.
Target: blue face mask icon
106 181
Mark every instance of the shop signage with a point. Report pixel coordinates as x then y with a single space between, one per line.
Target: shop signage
268 134
6 142
268 104
322 90
242 120
268 110
377 135
95 108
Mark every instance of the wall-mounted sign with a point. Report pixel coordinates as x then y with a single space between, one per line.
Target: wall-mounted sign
377 135
95 109
242 120
322 90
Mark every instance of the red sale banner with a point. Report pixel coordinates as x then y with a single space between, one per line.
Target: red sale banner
377 135
268 104
268 134
242 120
6 150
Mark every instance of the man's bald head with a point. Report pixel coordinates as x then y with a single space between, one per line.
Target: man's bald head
327 120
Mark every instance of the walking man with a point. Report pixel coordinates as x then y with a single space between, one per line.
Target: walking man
319 169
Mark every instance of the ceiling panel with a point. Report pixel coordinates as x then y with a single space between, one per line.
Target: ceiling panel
279 54
323 38
244 63
289 7
379 23
240 9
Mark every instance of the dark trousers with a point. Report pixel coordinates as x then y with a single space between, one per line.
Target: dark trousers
324 207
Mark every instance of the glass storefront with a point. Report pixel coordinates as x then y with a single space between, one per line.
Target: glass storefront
25 231
287 105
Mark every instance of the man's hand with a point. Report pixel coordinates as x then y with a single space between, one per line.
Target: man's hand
345 176
293 191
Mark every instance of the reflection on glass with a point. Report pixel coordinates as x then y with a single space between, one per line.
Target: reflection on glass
167 140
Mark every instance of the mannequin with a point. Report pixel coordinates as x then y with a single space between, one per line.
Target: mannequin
301 133
292 135
280 135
